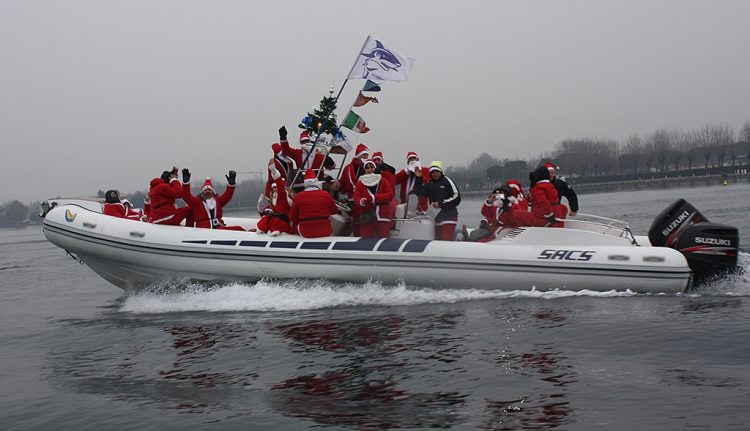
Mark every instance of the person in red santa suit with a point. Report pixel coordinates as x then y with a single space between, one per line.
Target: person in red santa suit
351 172
115 207
163 193
546 209
407 177
146 208
348 182
135 213
520 196
304 157
284 166
387 171
207 206
498 211
311 208
374 196
275 217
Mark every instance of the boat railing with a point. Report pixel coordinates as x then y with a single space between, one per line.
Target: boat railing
603 225
605 220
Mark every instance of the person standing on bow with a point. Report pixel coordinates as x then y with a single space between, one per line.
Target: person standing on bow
374 196
443 194
311 208
274 218
163 193
407 177
563 189
207 207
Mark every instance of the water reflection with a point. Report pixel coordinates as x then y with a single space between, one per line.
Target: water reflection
526 414
365 384
345 336
544 404
698 378
717 308
196 348
193 370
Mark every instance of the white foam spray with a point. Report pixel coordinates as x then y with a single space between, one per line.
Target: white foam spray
317 294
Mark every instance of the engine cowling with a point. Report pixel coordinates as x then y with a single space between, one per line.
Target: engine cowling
711 249
670 223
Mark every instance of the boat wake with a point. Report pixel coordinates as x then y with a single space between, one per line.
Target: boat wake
272 295
317 294
732 285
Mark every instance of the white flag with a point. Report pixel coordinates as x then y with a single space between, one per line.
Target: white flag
343 142
378 63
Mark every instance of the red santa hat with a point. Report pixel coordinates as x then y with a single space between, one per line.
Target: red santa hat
411 154
516 188
208 185
310 177
378 155
304 137
361 150
550 166
371 162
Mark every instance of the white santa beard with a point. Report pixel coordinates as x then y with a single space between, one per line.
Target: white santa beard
210 204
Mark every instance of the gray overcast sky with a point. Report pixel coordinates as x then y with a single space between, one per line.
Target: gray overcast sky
107 94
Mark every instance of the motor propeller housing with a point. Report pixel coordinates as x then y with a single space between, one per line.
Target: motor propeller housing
711 249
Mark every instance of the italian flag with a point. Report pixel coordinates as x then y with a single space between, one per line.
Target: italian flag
355 122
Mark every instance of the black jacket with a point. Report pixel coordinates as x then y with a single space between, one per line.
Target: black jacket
444 192
564 191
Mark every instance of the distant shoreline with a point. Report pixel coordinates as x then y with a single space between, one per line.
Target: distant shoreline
661 183
653 183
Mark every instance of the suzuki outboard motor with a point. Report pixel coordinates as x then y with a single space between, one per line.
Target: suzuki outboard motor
668 225
710 248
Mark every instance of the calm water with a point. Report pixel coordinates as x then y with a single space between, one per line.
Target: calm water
77 354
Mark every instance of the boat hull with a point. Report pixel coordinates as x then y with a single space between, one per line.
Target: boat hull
133 255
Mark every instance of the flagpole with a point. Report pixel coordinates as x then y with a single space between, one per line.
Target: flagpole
355 60
317 136
367 39
341 89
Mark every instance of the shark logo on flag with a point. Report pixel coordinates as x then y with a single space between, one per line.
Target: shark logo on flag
379 58
377 62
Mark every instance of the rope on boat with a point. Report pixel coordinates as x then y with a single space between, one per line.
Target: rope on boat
632 237
76 258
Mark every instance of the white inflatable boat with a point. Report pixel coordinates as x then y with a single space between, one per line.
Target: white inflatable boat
597 255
